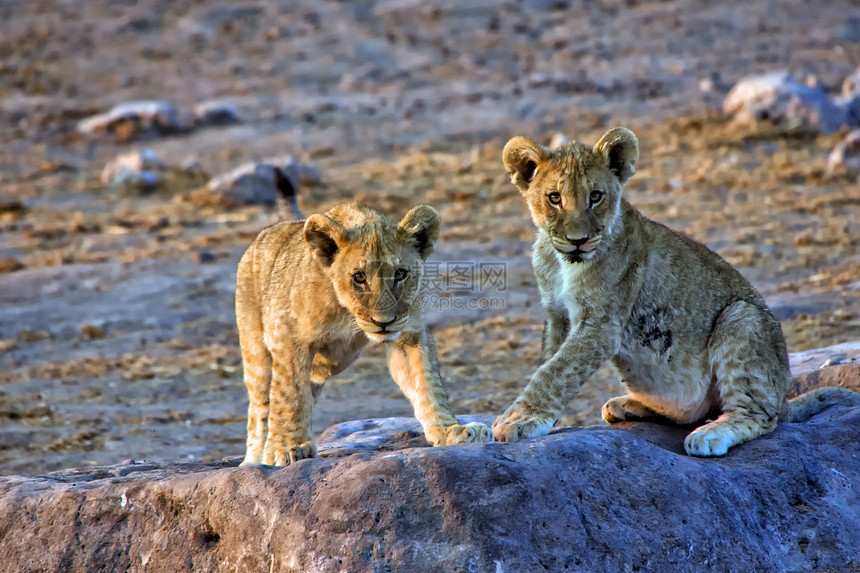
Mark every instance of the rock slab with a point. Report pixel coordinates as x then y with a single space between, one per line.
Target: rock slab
620 498
782 99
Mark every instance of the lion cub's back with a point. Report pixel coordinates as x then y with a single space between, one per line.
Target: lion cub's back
690 286
685 287
271 266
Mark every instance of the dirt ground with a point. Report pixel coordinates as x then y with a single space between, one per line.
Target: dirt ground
117 334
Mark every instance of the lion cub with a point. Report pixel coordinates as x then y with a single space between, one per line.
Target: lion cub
690 337
309 295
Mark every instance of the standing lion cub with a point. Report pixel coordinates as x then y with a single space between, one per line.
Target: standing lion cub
309 295
689 336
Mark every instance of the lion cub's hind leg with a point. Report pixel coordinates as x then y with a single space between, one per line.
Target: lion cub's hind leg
744 353
626 409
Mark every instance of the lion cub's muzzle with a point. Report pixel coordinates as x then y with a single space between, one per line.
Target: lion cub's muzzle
382 330
576 249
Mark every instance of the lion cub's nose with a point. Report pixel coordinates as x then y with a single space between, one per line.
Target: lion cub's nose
382 324
577 242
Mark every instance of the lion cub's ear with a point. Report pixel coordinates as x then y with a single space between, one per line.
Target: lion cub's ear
619 150
324 235
422 224
523 157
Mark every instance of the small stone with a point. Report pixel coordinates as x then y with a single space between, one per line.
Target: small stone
204 257
135 178
92 332
12 207
845 157
10 265
832 361
191 164
27 335
137 168
215 113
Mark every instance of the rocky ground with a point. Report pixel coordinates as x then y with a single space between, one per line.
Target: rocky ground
117 336
619 498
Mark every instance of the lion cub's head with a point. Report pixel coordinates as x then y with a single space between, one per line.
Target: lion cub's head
375 265
574 192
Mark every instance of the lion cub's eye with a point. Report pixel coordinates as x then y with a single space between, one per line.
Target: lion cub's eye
400 274
554 198
359 277
595 197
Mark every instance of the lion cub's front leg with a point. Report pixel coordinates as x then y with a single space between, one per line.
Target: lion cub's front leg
290 407
537 409
412 362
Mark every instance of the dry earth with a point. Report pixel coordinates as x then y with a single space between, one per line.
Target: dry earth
117 336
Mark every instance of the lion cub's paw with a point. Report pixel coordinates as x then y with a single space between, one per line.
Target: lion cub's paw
613 411
303 451
709 441
625 409
286 456
514 426
471 432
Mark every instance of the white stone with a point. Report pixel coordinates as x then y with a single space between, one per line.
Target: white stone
118 170
149 114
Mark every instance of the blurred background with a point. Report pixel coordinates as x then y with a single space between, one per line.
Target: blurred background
137 140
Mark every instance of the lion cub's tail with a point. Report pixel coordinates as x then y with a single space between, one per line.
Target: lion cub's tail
288 188
811 403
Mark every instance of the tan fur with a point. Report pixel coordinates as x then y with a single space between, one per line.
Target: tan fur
303 317
689 336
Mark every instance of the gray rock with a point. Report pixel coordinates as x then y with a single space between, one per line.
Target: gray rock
254 183
837 365
154 115
778 97
215 113
138 169
621 498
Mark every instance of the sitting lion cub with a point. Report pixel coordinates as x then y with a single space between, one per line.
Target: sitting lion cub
309 296
689 336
